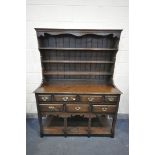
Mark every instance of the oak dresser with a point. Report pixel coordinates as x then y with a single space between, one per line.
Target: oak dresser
77 95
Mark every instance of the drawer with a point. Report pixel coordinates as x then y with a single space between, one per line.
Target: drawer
111 98
77 107
51 107
91 98
44 97
65 97
104 108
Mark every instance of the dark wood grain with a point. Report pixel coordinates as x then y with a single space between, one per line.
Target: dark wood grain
91 98
77 108
51 107
65 98
104 108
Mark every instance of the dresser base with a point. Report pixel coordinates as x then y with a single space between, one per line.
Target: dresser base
77 126
77 110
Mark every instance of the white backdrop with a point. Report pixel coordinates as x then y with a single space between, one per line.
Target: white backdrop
93 14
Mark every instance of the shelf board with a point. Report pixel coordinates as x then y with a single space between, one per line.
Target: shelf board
76 73
53 130
77 125
77 130
83 49
76 61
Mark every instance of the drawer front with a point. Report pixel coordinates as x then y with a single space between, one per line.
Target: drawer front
91 98
65 98
44 98
77 107
51 107
111 98
104 108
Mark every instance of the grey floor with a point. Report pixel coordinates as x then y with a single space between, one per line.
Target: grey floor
77 145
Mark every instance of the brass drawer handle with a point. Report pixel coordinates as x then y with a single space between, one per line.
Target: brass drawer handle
51 107
44 98
77 108
73 98
90 99
104 109
111 99
65 98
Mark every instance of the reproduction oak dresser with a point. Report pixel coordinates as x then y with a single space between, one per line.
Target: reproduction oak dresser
77 95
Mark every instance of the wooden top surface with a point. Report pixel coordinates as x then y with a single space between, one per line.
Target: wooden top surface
73 88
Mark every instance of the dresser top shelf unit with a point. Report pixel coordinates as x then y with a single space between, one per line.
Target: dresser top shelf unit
82 55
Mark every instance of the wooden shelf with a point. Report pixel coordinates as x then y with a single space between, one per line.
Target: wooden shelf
76 125
76 73
76 61
53 130
78 49
75 130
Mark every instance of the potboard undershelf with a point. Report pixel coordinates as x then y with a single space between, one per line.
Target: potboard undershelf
77 131
76 125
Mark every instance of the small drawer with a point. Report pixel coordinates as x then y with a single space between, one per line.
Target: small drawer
104 108
65 97
51 107
44 98
91 98
111 98
77 107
